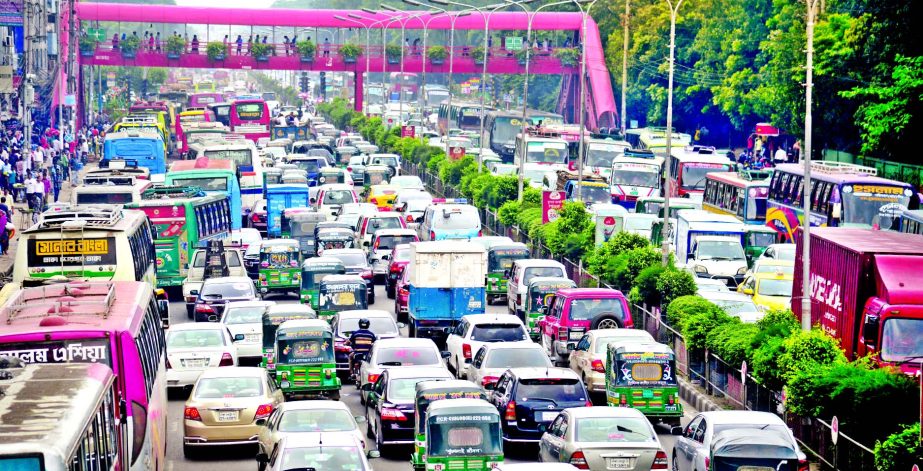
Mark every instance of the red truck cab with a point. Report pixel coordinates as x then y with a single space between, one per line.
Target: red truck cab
571 312
867 292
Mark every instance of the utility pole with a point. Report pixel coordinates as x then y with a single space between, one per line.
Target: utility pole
73 67
808 123
581 145
665 230
625 65
27 96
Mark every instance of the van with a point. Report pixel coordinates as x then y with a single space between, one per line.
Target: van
521 273
196 273
383 242
450 221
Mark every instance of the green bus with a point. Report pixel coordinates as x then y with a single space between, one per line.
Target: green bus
182 218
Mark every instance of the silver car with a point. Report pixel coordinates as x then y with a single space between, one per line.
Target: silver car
298 418
314 451
603 437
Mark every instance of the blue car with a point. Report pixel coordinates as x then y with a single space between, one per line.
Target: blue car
529 399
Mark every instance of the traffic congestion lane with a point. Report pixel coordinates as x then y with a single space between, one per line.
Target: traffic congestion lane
242 458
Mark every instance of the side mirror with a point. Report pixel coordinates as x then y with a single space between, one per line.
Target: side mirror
366 387
748 291
194 292
677 430
401 325
261 422
448 354
420 219
373 454
239 337
366 243
870 330
213 318
386 257
262 458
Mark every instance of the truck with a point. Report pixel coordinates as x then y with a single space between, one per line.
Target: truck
866 292
711 245
446 283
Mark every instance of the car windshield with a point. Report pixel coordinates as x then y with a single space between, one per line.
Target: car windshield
387 242
586 309
595 194
383 223
310 166
613 429
352 259
735 307
316 420
902 339
333 458
719 250
547 152
237 289
499 333
521 357
357 160
389 161
338 197
219 388
410 356
457 218
770 268
551 389
195 338
540 271
464 437
244 315
774 288
378 325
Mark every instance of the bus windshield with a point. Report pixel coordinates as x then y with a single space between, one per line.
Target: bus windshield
505 129
863 203
205 183
113 197
249 111
647 176
694 173
242 157
602 155
547 152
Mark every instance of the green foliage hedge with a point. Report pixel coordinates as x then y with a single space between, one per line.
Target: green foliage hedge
901 450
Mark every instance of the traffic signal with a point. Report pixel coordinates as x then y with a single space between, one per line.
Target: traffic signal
304 82
323 84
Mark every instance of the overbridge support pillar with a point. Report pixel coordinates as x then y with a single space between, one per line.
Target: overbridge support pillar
357 90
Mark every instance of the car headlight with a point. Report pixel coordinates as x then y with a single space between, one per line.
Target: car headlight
742 271
700 269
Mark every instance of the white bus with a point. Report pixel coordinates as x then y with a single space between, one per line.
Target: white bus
109 190
632 178
249 167
551 152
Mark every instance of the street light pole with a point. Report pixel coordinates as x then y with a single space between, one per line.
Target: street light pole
665 230
808 124
384 61
625 65
368 41
581 146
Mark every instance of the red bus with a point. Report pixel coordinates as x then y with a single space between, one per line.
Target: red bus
250 118
203 99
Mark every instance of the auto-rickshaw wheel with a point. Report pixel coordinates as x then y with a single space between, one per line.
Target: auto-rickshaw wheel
334 396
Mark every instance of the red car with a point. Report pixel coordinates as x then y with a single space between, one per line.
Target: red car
402 300
257 219
400 257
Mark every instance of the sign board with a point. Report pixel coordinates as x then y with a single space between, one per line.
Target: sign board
98 34
834 430
110 75
6 79
552 202
766 129
513 43
408 131
456 152
295 133
11 14
743 372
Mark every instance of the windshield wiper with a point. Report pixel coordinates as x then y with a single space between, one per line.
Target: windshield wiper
626 429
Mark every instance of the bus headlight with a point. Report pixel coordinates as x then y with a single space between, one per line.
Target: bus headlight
700 269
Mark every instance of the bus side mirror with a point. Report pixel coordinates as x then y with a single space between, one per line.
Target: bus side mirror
313 200
870 330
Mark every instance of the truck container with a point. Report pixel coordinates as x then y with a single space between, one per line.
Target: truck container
867 292
446 283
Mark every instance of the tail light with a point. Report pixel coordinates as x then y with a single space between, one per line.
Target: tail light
803 465
204 309
660 461
392 415
372 377
599 367
340 347
671 400
191 413
409 218
481 233
394 268
578 461
366 274
263 411
466 350
510 413
624 400
562 334
432 235
404 292
707 462
488 380
226 360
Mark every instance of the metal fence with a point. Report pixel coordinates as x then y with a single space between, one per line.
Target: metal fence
816 438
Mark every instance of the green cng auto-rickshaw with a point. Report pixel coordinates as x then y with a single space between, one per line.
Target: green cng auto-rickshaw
327 175
428 392
272 319
499 260
377 175
642 375
288 214
462 434
334 238
279 262
313 270
539 289
341 293
756 239
305 364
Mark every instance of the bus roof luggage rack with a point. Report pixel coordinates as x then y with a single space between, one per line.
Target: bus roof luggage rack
62 298
168 192
140 118
842 168
701 149
118 180
639 153
77 217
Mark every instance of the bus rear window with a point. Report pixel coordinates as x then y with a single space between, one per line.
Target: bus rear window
206 184
250 111
71 252
103 198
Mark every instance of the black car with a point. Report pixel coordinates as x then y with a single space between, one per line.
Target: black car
389 410
252 260
529 399
215 293
356 263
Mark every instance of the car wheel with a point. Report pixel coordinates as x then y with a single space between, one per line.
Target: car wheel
675 464
606 320
190 311
389 290
457 369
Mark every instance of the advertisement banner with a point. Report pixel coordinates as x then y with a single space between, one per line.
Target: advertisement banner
408 131
6 79
606 226
456 152
552 202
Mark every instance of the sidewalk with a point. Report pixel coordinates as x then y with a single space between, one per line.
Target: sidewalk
23 221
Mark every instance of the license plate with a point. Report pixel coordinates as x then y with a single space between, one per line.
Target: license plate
252 337
195 363
618 463
647 394
546 416
227 416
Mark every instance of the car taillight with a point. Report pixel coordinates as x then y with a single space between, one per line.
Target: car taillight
342 347
394 268
481 233
488 380
404 292
392 414
466 350
366 274
671 400
598 366
263 411
371 378
562 333
510 411
191 413
226 360
204 308
624 400
409 218
660 461
578 461
588 403
803 465
432 235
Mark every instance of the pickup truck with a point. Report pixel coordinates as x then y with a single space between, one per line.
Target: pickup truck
196 275
571 312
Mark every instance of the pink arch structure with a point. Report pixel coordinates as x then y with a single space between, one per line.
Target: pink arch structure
600 105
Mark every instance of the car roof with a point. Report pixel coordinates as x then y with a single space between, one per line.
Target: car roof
603 411
311 440
725 296
360 313
550 372
742 417
313 405
523 345
233 372
401 372
290 308
393 232
590 292
195 326
624 333
492 318
334 252
235 304
404 341
229 279
537 262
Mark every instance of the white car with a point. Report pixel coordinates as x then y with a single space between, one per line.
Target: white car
244 237
475 330
309 417
244 322
737 305
194 347
492 359
407 182
396 352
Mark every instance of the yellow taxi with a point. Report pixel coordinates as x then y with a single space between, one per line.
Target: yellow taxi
772 290
383 196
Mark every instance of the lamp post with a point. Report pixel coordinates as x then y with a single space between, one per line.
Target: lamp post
806 190
423 53
384 62
400 85
525 86
581 146
368 37
665 246
625 64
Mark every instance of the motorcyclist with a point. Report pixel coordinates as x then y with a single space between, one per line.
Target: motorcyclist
361 341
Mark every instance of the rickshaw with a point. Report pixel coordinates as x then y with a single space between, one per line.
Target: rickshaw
499 260
756 240
329 225
329 175
642 375
428 392
539 289
301 228
288 214
377 175
279 266
313 270
334 238
305 364
272 319
462 434
341 293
